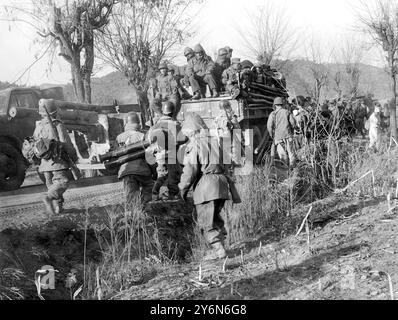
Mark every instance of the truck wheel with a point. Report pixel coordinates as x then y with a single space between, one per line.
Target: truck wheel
13 168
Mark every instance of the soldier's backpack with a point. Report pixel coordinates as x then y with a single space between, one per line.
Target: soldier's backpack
49 149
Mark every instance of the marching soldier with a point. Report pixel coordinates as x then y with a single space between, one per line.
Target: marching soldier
136 174
281 126
54 165
204 170
164 135
200 72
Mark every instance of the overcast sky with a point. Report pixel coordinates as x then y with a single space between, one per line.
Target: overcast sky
329 21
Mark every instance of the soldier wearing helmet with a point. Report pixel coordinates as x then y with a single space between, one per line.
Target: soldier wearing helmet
54 167
204 170
223 62
167 87
136 175
231 76
281 126
200 72
165 136
229 50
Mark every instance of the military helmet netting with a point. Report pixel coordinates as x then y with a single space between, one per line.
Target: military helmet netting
188 51
224 104
168 108
162 66
222 52
194 122
198 48
278 101
132 118
49 105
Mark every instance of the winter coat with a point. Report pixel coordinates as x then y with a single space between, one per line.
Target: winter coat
205 172
44 130
281 124
200 67
135 167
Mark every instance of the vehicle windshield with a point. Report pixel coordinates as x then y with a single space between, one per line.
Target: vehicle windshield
3 102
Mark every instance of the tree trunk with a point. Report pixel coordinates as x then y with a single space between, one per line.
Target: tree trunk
393 106
78 84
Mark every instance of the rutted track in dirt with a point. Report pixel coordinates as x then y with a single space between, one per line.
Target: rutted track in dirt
25 206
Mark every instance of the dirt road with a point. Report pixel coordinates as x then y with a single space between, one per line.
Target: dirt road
24 206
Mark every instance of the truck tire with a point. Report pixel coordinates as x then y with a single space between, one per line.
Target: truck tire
13 167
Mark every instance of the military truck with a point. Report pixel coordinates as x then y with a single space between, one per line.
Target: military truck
93 130
18 115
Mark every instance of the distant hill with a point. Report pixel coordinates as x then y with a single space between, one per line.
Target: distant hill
106 89
372 80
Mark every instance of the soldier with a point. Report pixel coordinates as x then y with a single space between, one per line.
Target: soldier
136 174
228 129
55 167
164 135
189 55
200 71
230 76
374 130
184 94
223 62
281 126
229 50
204 170
359 116
167 88
258 74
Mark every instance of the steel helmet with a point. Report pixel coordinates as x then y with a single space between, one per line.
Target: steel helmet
132 117
278 101
198 48
222 52
49 105
168 108
162 66
193 122
188 51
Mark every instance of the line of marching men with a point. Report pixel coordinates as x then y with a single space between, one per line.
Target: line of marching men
203 167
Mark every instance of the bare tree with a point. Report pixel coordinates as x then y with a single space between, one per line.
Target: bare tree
351 55
268 36
337 81
319 70
69 27
380 20
140 35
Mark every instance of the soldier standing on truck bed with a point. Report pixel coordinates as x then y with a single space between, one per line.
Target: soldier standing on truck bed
54 165
136 174
281 126
205 171
167 88
200 72
223 62
230 76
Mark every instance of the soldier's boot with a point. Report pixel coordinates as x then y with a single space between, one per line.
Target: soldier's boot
215 93
217 252
49 205
197 96
58 206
